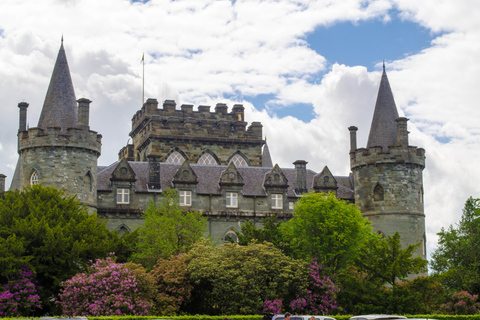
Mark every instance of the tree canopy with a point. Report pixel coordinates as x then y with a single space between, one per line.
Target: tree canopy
168 230
328 229
51 234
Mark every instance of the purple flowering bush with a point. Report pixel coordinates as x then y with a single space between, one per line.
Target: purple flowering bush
320 295
274 306
461 303
19 296
107 288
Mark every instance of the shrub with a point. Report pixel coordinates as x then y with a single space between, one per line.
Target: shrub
20 297
461 303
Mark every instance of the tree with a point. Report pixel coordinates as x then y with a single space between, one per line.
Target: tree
457 256
233 279
328 229
108 288
51 234
167 230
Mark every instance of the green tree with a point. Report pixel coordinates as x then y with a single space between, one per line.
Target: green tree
233 279
328 229
457 256
167 230
52 235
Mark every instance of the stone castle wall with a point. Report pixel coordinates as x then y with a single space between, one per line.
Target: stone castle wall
159 131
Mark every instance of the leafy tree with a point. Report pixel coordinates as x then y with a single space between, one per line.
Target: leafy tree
327 228
173 287
167 230
51 234
233 279
457 256
107 288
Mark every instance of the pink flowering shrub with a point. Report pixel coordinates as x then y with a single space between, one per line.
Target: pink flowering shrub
274 306
20 297
106 289
320 296
461 303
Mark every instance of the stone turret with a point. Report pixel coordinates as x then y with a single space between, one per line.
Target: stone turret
387 174
61 151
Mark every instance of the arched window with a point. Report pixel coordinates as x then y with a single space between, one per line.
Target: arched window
239 161
378 193
87 182
34 179
207 159
230 235
175 157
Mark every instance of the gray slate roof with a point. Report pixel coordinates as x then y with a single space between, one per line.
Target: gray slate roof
209 176
60 106
383 131
266 158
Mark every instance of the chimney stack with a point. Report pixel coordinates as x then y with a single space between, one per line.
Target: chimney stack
402 133
23 116
153 172
83 112
300 176
353 138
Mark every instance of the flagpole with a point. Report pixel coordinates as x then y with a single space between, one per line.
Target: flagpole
143 79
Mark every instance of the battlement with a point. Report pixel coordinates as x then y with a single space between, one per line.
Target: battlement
79 137
394 155
187 122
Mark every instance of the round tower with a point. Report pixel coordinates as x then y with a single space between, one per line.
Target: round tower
388 174
61 151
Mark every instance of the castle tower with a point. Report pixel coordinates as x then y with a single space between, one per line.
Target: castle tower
61 151
387 174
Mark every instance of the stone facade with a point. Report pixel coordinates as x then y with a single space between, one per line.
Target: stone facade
218 165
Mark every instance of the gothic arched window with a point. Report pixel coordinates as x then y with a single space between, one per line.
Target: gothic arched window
239 161
175 157
34 178
207 159
231 235
378 193
87 182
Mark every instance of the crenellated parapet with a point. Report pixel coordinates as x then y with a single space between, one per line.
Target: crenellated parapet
79 137
185 122
395 155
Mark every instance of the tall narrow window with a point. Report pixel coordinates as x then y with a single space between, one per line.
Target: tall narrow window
232 200
185 197
87 183
378 193
277 201
123 195
34 178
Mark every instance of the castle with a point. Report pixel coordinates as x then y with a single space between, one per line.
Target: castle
217 163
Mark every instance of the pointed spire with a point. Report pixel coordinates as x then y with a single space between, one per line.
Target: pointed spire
266 158
383 131
60 106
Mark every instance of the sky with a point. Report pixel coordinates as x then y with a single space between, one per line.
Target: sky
306 69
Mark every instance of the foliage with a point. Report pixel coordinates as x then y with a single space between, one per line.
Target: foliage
319 298
273 307
233 279
167 230
461 303
327 228
457 256
51 234
173 287
429 293
106 288
20 297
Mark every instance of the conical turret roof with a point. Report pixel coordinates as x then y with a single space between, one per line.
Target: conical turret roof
383 131
266 158
60 106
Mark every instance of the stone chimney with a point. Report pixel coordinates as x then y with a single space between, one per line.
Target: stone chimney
402 133
23 116
353 138
83 112
2 183
153 172
300 176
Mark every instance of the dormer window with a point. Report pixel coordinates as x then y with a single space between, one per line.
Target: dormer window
185 197
232 199
123 196
277 201
34 179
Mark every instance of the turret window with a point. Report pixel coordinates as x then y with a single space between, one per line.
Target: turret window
378 193
34 178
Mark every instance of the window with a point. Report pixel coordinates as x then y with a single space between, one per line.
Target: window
232 200
207 159
34 178
185 198
378 193
123 195
239 161
291 205
231 235
277 201
175 157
